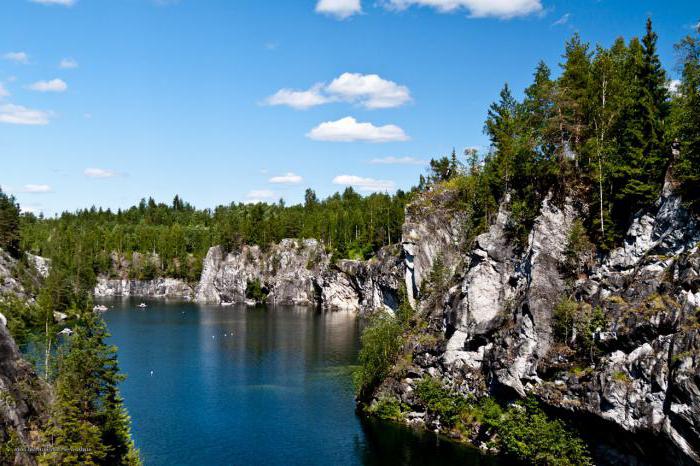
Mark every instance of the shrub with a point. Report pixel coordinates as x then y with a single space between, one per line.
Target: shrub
442 401
579 251
381 343
255 291
527 434
388 407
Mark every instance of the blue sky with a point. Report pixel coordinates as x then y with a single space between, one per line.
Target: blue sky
103 102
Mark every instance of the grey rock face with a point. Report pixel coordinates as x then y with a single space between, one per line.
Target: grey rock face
497 321
300 272
8 280
24 400
428 233
287 272
156 288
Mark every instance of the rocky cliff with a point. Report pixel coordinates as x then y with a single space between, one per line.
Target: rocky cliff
156 288
300 272
495 326
24 398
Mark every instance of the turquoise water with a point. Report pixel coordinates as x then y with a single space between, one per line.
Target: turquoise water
268 386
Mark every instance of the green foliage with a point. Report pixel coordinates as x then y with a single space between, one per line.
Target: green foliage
687 119
571 318
255 291
579 251
404 313
381 340
176 237
523 431
89 424
441 401
9 224
23 319
527 434
389 408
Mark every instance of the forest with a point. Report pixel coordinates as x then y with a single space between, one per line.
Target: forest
178 236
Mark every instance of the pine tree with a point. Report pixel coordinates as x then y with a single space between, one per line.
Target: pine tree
573 96
502 128
642 144
88 411
688 119
539 107
9 224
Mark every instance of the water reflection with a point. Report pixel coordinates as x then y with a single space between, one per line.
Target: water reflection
266 386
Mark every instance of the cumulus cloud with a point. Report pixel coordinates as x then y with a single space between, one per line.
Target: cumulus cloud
504 9
3 91
68 63
368 90
100 173
348 129
17 57
300 100
54 85
55 2
340 9
288 178
36 188
364 184
398 161
19 115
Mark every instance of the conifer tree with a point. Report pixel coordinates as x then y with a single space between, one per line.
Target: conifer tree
573 95
9 224
89 424
688 119
642 144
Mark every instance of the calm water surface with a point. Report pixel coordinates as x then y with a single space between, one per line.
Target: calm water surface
269 386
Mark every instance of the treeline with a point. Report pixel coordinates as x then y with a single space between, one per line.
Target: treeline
172 239
605 130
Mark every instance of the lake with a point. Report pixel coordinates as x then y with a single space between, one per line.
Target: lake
211 385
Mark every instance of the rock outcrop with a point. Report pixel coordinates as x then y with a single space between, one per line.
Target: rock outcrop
24 398
300 272
24 401
496 322
156 288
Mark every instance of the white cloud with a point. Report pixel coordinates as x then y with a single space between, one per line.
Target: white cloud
68 63
674 86
17 57
288 178
3 91
54 85
370 90
563 20
398 161
504 9
55 2
36 188
100 173
19 115
364 184
340 9
300 100
348 129
259 195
